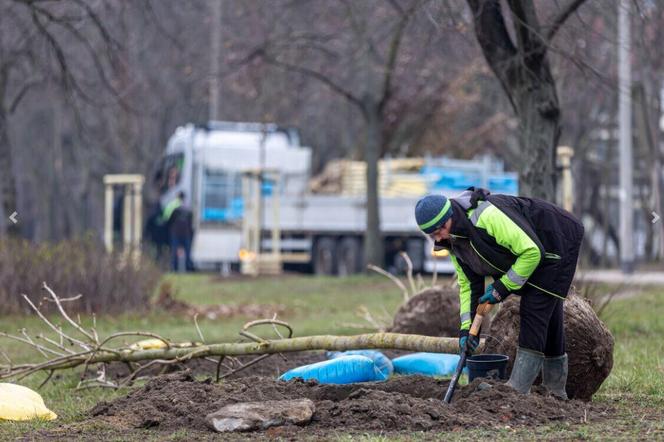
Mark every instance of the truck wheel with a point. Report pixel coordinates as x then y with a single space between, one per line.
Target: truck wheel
325 254
349 257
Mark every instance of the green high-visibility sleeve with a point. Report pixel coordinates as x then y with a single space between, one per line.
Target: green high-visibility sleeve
464 295
509 235
169 209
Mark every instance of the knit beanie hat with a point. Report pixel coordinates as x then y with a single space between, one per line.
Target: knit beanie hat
431 212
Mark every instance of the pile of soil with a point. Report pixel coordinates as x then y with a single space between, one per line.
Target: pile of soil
432 312
589 343
402 404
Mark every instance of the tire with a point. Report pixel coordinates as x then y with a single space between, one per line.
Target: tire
325 256
349 257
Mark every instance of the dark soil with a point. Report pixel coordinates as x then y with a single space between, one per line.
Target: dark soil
403 404
432 312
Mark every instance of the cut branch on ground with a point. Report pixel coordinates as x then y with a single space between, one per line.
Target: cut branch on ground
93 350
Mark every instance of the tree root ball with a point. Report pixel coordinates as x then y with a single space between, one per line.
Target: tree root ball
589 343
432 312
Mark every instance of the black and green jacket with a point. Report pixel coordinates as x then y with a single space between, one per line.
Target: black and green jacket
518 241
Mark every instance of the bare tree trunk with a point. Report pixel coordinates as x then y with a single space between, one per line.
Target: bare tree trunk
536 106
373 243
394 341
524 72
651 201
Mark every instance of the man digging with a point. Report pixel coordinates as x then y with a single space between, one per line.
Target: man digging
530 248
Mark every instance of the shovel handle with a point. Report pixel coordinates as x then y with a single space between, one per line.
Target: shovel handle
482 311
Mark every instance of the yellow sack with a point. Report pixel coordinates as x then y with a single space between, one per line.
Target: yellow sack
19 403
148 344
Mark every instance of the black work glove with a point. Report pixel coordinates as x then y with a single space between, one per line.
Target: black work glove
468 342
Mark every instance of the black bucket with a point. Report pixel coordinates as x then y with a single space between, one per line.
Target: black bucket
487 366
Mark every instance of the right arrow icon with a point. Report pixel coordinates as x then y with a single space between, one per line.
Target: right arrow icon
655 217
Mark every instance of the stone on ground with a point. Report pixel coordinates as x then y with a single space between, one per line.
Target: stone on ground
251 416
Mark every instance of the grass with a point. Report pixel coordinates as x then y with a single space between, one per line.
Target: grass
314 305
638 326
329 305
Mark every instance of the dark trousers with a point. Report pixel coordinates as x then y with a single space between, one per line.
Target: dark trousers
185 243
542 322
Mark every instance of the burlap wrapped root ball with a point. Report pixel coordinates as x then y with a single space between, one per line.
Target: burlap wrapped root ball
589 343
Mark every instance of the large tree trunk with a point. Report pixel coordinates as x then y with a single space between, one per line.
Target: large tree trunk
524 72
536 107
373 242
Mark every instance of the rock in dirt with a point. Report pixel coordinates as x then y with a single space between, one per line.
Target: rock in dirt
432 312
589 343
250 416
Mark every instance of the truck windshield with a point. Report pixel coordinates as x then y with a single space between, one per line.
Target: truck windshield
170 172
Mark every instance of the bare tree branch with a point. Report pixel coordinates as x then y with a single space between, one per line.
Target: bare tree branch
562 16
319 76
393 53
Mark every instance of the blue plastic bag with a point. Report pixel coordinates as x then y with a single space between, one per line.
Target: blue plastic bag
428 364
343 370
383 363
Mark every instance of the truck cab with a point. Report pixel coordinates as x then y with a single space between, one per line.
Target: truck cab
207 162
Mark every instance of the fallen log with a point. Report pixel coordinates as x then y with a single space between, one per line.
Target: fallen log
79 346
181 352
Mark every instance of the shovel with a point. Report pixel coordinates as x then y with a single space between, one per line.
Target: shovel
482 310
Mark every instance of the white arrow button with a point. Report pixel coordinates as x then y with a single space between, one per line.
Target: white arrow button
12 218
655 217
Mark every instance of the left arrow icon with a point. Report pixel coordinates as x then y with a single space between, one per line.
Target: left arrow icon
12 218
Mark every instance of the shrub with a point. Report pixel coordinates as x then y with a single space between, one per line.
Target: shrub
109 283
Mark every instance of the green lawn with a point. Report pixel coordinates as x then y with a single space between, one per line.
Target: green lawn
638 327
329 305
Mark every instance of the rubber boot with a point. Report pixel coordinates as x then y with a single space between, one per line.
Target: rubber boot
554 375
527 367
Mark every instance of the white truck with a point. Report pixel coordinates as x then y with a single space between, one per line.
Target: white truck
321 232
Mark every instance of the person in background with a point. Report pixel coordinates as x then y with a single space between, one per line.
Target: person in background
530 248
178 219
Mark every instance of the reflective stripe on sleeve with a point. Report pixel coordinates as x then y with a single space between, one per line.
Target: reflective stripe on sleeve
516 278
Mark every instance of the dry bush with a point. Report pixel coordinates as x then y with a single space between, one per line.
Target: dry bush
109 283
